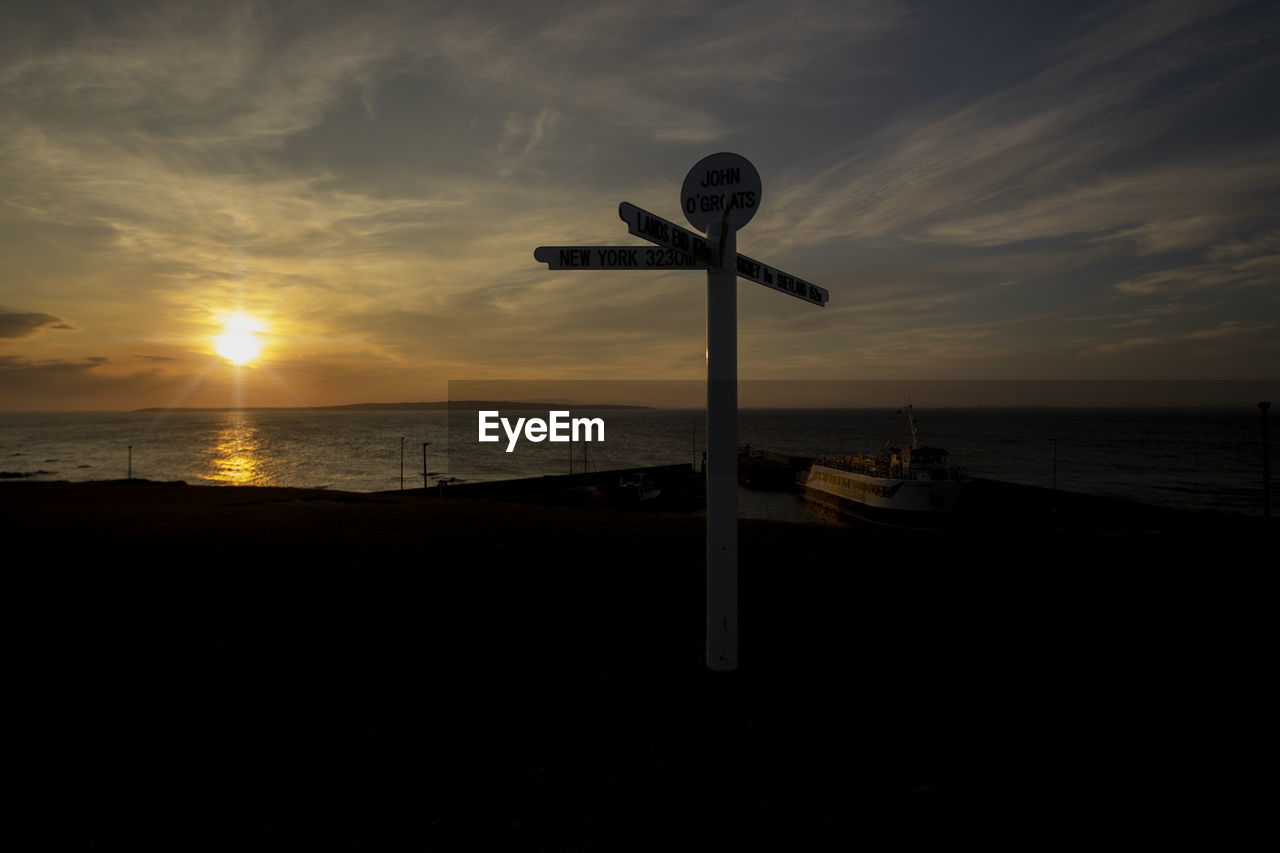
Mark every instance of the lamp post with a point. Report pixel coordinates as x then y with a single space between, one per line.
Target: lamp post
425 444
402 463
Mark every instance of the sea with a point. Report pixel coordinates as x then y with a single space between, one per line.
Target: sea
1187 458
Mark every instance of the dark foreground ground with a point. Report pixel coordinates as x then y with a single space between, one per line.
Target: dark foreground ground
257 667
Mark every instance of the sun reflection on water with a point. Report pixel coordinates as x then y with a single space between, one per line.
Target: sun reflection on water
236 457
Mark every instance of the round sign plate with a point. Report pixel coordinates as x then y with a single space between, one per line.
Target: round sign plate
718 181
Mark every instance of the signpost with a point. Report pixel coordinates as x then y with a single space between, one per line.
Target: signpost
720 195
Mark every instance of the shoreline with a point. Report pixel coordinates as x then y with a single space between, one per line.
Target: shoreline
987 501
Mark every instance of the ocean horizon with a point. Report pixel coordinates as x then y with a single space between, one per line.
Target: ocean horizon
1192 458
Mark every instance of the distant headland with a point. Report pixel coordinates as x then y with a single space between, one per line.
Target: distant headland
437 406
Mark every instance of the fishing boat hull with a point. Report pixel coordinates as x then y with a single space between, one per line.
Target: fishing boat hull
884 500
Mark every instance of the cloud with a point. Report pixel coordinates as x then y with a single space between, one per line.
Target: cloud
522 136
202 77
99 383
17 325
1261 335
1251 263
1242 248
63 384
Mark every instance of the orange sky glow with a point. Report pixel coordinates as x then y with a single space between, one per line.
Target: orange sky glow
1084 193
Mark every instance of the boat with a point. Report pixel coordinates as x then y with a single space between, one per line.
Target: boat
912 486
634 489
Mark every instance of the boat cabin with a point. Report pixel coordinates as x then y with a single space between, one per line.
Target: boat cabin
918 463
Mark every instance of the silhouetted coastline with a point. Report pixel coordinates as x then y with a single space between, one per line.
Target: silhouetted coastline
262 665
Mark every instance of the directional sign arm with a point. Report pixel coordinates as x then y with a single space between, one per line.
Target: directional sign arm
753 270
614 258
655 229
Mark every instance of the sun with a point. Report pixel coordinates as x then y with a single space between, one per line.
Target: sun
238 343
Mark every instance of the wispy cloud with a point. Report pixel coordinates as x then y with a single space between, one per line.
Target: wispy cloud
1205 341
20 325
1079 148
1253 263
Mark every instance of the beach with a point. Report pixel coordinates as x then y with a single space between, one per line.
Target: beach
261 667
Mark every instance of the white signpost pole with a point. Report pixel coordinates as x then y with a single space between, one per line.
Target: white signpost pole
720 195
722 457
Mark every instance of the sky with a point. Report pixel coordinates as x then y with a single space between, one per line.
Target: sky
989 191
